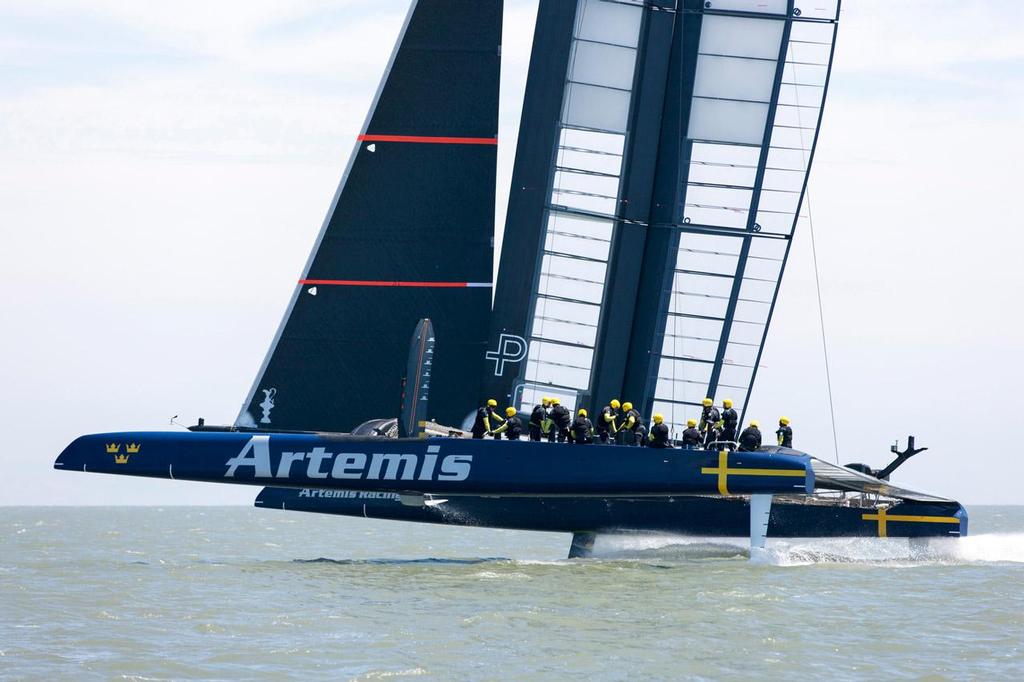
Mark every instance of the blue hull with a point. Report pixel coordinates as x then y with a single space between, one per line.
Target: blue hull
501 484
437 466
683 515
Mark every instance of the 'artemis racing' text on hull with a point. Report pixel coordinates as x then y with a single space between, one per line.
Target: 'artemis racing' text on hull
379 466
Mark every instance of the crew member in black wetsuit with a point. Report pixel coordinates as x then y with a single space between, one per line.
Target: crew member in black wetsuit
785 433
486 419
513 426
692 438
582 429
631 427
605 426
538 417
708 418
750 439
563 420
730 421
658 437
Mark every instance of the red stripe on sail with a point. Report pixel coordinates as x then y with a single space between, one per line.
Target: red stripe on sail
428 140
386 283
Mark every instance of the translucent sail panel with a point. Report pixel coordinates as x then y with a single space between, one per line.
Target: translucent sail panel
586 173
583 201
817 9
736 65
567 303
759 6
601 66
795 127
720 185
716 319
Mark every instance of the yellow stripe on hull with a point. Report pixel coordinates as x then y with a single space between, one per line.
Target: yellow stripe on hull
883 518
723 471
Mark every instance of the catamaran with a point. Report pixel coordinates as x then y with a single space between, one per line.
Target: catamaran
662 161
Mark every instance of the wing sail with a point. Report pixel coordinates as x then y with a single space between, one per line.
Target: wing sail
759 82
663 199
565 196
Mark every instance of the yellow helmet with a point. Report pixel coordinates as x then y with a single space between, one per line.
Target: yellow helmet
615 404
707 402
510 411
492 403
784 421
753 422
582 412
627 406
691 423
658 419
727 403
556 401
545 401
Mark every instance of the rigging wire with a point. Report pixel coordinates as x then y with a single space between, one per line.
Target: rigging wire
821 320
814 259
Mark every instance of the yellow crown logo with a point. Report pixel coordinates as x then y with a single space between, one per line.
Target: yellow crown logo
133 448
120 459
113 448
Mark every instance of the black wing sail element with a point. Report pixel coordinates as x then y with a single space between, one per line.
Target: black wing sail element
564 198
418 374
409 235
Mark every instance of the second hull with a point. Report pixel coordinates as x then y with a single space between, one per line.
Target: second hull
685 515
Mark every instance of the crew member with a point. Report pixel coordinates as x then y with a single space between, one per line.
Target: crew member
631 427
658 437
785 433
548 425
563 420
485 417
708 418
750 439
605 426
730 421
538 417
691 436
714 435
513 426
582 429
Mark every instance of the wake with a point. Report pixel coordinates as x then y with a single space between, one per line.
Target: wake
988 548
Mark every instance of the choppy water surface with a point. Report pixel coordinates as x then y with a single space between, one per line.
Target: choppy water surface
157 593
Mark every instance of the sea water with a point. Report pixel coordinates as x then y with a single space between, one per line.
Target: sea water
227 592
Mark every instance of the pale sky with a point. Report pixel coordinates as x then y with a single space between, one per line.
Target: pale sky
165 167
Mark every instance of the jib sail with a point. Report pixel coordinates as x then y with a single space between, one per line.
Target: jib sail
408 236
